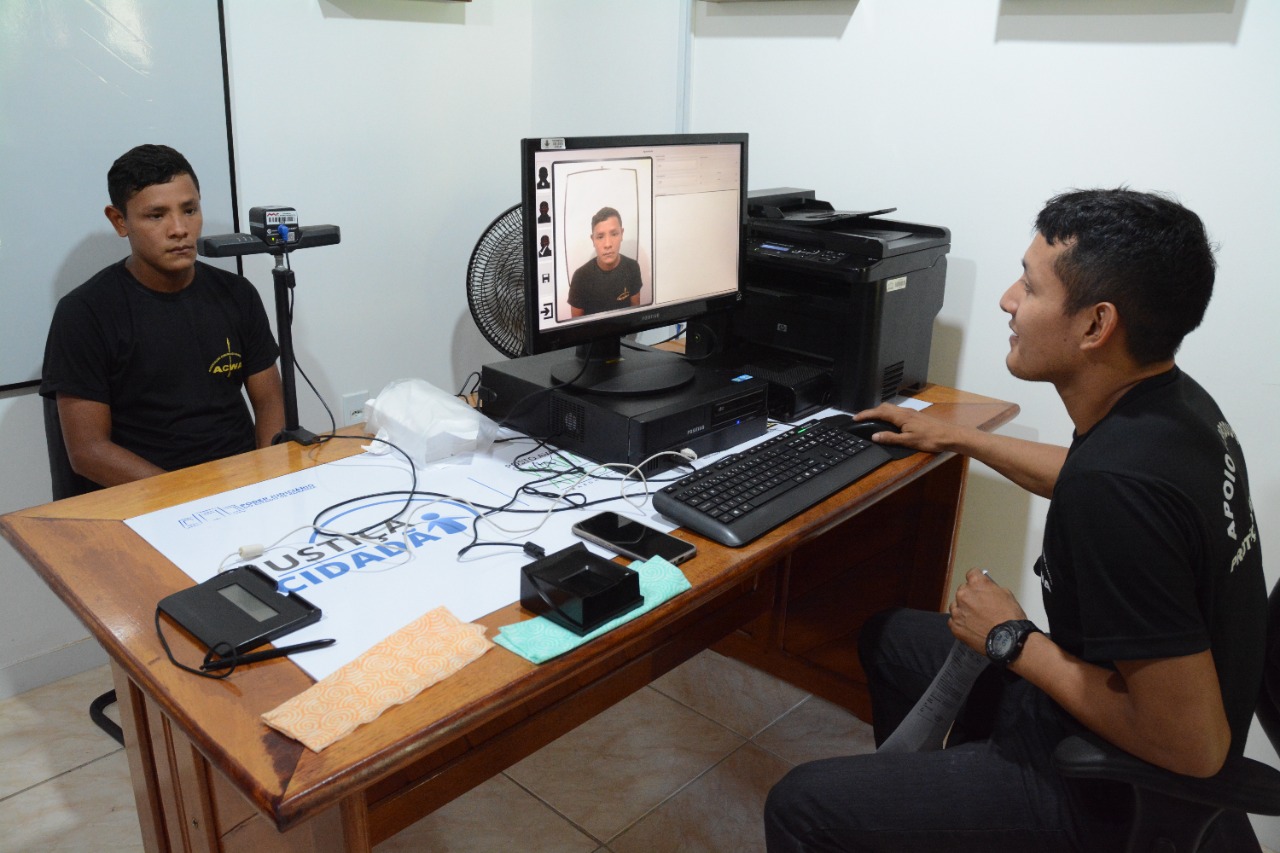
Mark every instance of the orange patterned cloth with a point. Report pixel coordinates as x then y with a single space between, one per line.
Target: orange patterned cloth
432 647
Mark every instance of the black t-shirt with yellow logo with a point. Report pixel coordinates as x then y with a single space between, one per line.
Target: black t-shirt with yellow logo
171 366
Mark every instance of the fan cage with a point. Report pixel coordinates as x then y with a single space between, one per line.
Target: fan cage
495 284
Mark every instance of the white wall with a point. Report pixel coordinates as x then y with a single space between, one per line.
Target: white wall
604 69
405 134
401 129
970 116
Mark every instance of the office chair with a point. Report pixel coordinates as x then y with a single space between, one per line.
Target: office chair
1171 812
67 483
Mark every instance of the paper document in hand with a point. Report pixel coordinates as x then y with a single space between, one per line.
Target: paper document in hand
926 727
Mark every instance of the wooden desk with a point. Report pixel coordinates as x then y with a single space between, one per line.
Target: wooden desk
208 775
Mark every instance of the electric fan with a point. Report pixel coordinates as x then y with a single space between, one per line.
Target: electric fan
495 283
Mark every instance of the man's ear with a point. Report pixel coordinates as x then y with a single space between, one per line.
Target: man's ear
1104 324
116 217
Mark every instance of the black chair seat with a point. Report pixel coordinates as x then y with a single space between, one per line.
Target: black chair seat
1172 813
1241 785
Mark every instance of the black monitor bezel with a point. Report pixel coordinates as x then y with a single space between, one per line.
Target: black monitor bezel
540 341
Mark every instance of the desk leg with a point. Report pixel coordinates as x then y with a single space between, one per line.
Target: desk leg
137 742
342 829
170 778
184 804
351 832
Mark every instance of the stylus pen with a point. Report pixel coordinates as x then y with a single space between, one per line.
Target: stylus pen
254 657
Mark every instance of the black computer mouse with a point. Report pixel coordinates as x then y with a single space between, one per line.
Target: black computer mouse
866 429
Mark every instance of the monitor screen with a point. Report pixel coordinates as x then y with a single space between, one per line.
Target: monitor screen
624 234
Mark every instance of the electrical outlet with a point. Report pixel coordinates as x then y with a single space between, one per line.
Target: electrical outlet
353 408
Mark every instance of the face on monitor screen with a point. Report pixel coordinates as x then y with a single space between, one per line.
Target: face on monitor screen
632 231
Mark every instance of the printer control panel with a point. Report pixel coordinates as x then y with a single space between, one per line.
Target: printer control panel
780 249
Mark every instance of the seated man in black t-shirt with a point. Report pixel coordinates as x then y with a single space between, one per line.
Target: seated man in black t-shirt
610 280
1150 571
149 360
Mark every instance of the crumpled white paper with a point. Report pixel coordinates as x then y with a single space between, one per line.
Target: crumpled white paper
427 423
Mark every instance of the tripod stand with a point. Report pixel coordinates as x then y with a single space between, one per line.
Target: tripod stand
284 281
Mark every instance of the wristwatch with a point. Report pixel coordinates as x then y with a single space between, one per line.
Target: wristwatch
1005 641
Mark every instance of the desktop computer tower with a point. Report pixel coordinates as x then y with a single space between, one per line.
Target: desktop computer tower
717 410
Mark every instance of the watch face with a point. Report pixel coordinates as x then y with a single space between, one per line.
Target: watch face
1001 644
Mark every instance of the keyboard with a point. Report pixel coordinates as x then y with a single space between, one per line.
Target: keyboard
747 494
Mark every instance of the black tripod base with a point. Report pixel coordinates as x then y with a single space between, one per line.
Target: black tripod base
302 436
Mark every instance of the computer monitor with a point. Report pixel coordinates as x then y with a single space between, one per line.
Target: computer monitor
623 234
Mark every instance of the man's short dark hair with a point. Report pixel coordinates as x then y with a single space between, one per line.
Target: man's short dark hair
1143 252
140 167
605 213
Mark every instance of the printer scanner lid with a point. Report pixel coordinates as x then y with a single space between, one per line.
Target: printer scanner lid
795 214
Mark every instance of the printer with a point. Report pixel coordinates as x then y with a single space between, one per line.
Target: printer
837 306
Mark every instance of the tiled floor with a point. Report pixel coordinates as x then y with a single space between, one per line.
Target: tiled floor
682 765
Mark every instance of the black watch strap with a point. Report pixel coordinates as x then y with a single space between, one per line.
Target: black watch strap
1005 641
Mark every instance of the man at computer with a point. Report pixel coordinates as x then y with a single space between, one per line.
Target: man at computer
150 359
610 280
1151 571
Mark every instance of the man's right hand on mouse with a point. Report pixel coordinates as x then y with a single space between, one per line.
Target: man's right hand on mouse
917 430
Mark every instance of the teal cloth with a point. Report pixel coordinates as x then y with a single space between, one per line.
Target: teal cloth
540 639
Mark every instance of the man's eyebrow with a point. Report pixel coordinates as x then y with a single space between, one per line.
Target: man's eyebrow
159 205
1026 273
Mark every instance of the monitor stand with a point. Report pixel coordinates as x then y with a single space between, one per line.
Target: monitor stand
606 367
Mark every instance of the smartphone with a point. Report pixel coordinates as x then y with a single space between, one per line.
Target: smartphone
630 538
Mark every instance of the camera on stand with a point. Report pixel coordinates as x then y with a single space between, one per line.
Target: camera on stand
272 230
275 226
